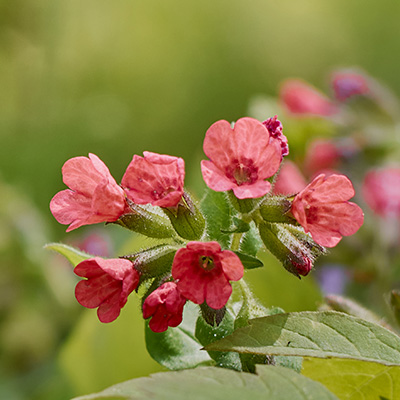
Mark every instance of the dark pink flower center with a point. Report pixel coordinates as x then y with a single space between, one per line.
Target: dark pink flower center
206 263
242 172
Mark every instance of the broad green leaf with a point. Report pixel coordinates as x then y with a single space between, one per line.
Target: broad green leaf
211 383
355 380
218 213
177 348
207 334
73 255
249 262
314 334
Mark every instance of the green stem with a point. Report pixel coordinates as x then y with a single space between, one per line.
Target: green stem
236 241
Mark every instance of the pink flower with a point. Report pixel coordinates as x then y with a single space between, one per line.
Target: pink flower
322 154
202 272
290 180
165 306
93 197
274 127
301 98
155 178
108 285
241 158
381 190
349 84
322 209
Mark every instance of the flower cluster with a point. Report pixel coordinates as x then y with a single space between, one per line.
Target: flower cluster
244 160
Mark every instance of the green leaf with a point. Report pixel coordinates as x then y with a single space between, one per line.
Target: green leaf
218 213
251 241
238 226
207 334
73 255
249 262
177 348
273 383
314 334
355 380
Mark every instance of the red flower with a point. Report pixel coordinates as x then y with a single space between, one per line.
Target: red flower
349 84
323 210
93 197
241 158
203 272
165 306
381 189
274 127
155 178
290 180
108 284
301 98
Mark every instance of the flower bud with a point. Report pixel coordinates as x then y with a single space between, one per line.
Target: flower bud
291 246
146 220
186 218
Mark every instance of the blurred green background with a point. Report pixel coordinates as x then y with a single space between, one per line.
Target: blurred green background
117 78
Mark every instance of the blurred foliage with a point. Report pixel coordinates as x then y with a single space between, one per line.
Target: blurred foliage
118 78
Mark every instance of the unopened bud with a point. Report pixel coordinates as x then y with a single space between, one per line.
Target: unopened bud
292 247
186 218
210 315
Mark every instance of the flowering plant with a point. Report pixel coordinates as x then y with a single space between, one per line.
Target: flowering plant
199 311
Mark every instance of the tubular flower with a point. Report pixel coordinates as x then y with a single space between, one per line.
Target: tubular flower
381 190
322 209
155 178
349 84
241 158
108 285
274 127
93 197
202 272
301 98
165 306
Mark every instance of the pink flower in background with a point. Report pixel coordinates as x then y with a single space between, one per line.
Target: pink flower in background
321 154
241 158
165 306
108 285
349 84
93 197
322 209
301 98
155 178
274 127
381 190
290 180
202 272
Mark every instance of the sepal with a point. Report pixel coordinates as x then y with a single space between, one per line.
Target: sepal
147 221
186 219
